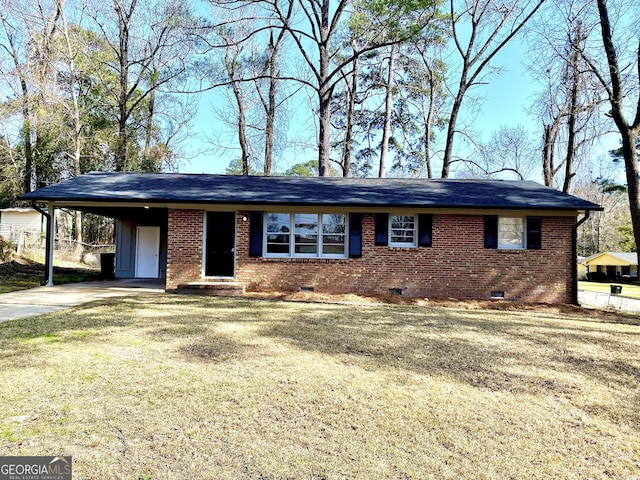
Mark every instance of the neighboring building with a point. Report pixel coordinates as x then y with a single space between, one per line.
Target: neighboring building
16 222
612 266
582 268
475 239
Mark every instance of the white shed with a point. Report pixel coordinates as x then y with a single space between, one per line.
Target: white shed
15 221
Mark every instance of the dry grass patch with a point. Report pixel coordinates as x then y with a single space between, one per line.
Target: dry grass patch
21 273
173 387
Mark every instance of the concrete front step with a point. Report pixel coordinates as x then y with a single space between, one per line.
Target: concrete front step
221 288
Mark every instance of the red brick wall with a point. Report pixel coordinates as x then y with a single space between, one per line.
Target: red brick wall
457 265
184 247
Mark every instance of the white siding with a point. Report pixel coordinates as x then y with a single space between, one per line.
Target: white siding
13 221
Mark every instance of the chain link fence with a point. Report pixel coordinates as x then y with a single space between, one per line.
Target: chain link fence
32 244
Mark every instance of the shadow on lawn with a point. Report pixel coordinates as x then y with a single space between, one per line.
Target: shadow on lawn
517 352
498 351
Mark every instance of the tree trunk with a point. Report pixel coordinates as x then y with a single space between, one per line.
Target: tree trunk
124 19
428 125
573 109
630 155
148 134
325 92
550 134
451 130
77 125
628 132
388 110
351 108
242 130
26 138
271 117
230 61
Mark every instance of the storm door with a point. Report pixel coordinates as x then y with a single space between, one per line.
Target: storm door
220 243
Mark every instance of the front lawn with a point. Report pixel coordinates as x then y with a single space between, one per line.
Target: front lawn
176 387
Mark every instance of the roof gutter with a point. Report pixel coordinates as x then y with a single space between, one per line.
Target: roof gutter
48 265
574 257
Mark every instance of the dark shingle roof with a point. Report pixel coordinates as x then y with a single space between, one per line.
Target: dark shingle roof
108 187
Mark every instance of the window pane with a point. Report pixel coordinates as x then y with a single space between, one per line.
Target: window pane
511 232
278 248
278 222
278 233
402 236
334 230
333 223
403 229
306 233
403 222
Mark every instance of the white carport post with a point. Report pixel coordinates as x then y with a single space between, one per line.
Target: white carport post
48 254
51 229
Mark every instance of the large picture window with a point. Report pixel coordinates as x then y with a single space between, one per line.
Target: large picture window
305 235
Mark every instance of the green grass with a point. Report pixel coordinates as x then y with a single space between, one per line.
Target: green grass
628 290
173 387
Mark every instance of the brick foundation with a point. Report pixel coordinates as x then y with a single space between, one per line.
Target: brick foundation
457 265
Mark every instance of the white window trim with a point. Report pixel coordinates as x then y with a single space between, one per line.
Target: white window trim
292 234
414 244
523 243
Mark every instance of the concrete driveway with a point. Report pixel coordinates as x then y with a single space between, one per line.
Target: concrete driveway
40 300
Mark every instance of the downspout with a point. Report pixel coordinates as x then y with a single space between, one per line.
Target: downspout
48 257
574 258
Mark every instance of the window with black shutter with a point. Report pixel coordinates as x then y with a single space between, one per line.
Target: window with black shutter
425 223
255 234
355 235
534 233
382 228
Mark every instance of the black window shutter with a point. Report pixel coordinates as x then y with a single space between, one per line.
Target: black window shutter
491 231
425 223
534 233
355 235
255 234
382 228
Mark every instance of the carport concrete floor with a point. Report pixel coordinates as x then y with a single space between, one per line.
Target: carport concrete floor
40 300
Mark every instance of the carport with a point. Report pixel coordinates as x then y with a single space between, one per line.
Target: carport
140 233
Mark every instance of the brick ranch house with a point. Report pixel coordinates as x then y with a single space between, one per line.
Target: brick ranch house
468 239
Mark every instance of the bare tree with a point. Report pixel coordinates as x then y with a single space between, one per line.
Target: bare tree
619 75
316 40
568 106
69 53
246 48
147 42
14 48
509 152
488 27
388 110
29 31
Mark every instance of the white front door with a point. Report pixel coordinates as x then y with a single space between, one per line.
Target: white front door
148 252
